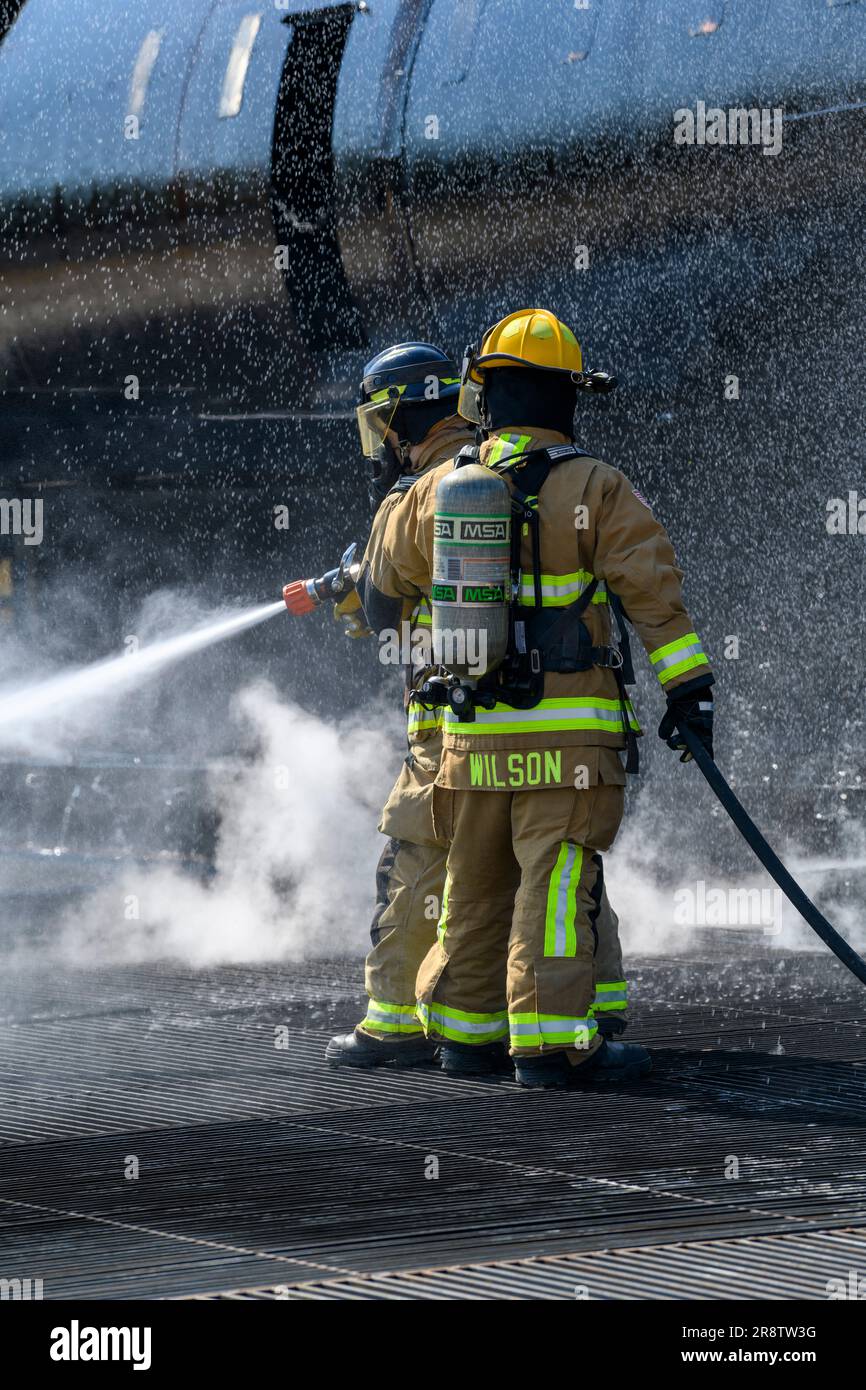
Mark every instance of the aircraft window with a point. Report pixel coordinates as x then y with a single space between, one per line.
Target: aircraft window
138 84
464 22
232 95
461 37
705 19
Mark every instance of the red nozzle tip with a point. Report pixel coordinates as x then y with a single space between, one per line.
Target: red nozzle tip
297 597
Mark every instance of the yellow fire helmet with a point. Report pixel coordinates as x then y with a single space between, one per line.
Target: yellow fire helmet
528 338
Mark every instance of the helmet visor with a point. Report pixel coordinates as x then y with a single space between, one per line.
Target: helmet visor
471 387
469 401
375 419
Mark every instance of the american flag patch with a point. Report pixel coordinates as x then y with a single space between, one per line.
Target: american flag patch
640 497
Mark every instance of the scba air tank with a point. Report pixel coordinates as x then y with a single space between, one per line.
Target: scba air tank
471 571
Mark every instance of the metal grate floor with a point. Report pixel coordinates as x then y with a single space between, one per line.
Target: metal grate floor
154 1142
790 1267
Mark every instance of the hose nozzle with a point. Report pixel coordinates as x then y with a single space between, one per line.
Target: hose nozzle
300 596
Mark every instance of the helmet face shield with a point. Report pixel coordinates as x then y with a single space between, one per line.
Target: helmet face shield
471 388
469 401
375 419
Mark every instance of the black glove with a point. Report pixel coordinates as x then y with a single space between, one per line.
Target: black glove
692 703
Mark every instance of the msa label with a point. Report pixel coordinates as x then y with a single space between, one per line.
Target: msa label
482 593
469 594
472 530
444 593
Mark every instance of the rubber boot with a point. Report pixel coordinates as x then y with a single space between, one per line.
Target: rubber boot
473 1059
612 1062
359 1049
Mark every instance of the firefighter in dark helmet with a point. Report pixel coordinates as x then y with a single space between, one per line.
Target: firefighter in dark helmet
408 425
531 781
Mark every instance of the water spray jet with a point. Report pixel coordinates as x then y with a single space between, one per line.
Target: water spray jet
36 703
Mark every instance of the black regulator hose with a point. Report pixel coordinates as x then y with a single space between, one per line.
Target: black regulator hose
770 860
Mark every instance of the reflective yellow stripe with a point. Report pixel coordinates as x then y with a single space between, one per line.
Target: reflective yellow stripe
674 658
458 1026
384 395
421 614
383 1017
442 924
506 445
610 996
548 716
560 935
559 590
423 721
556 1030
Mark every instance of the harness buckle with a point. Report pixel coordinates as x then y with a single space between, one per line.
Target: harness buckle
614 657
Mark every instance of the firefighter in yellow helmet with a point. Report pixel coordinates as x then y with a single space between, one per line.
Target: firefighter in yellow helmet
405 433
530 788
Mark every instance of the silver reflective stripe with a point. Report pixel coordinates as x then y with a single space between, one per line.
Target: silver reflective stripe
681 654
527 588
560 1025
564 588
610 996
390 1016
463 1025
530 716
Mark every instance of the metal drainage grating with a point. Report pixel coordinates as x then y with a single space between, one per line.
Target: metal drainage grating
776 1267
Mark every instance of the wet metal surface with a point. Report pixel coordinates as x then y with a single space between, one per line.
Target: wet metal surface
737 1170
778 1266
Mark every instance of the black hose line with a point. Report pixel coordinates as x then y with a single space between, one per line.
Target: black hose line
770 860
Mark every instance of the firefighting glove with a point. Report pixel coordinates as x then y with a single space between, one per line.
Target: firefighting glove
350 613
692 704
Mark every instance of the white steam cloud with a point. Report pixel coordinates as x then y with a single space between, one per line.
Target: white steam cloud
661 881
297 847
297 799
295 858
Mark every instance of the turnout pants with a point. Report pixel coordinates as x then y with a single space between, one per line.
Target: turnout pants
516 955
409 885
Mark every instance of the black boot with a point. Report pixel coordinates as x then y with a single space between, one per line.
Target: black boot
359 1049
473 1059
612 1062
611 1025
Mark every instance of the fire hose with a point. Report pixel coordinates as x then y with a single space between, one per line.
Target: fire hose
768 857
